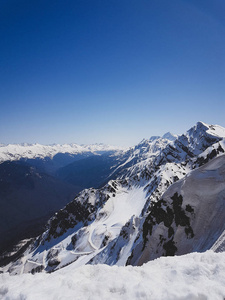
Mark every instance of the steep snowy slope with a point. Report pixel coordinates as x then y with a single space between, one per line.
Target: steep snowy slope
30 190
143 153
106 225
189 217
113 206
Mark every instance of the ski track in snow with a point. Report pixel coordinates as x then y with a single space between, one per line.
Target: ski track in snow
115 213
90 238
216 247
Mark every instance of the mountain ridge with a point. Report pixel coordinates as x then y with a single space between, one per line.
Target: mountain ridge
31 151
106 225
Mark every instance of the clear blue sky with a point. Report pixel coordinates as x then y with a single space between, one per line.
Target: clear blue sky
111 71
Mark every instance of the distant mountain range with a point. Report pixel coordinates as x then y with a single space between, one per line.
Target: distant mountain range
33 186
32 151
163 197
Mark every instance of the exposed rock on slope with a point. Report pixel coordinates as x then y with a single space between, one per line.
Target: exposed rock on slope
31 191
189 217
129 218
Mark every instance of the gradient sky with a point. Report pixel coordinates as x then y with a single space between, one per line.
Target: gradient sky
111 71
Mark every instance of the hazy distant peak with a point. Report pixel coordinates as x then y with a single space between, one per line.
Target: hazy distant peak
154 137
31 151
169 136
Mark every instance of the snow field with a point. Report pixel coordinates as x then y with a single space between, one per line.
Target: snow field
192 276
115 213
113 216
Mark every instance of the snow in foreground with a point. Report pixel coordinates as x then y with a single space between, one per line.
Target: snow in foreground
192 276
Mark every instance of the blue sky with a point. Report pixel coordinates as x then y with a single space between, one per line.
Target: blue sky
112 71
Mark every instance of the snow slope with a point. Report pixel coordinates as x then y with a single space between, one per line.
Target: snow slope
191 277
189 217
84 242
107 225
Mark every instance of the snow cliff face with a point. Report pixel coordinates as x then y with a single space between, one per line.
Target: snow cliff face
189 217
117 223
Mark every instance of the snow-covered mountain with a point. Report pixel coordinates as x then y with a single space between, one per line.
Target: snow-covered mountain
50 158
32 151
116 224
31 188
188 218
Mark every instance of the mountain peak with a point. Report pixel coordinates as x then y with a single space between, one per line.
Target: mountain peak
198 128
169 136
118 223
213 130
154 137
200 123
